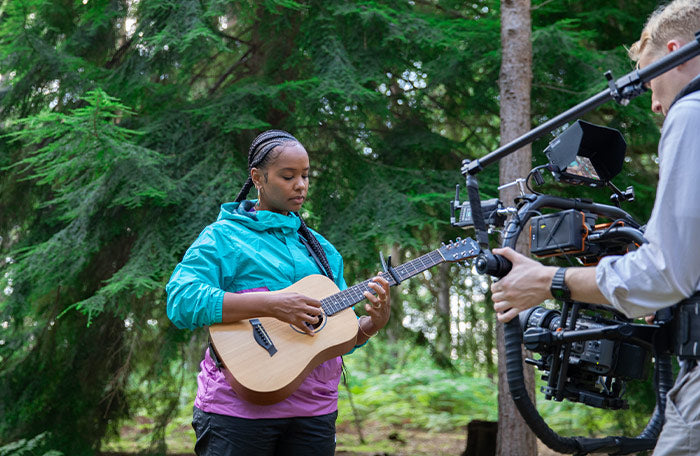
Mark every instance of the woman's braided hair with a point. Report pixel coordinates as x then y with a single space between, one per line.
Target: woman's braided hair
259 156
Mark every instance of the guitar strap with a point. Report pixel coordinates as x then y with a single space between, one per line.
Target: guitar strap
212 353
313 255
323 270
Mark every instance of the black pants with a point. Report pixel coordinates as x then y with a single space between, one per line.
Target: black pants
221 435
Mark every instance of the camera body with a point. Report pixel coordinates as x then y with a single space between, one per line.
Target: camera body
596 369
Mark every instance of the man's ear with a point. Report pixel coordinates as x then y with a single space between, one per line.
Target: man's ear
673 45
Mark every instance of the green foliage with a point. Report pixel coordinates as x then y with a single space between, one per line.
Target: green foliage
92 167
414 391
32 447
428 399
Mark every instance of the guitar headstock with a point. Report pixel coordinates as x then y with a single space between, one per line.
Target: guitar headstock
460 250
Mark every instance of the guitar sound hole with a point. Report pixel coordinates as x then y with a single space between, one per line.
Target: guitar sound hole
318 324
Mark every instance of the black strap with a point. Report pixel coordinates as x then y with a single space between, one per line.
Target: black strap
685 328
214 357
314 256
480 231
694 86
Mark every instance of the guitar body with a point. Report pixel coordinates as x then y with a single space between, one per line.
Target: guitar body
267 369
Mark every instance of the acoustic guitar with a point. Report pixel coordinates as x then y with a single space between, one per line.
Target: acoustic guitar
265 359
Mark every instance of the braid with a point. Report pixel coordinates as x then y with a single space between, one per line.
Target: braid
264 143
244 190
258 154
316 247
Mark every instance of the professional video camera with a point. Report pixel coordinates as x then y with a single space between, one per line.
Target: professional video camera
590 370
587 352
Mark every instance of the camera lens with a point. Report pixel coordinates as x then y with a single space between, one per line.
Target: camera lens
540 317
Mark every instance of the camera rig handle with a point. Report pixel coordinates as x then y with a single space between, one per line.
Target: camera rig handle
486 262
494 265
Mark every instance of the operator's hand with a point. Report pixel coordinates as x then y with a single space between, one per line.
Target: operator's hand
526 285
296 309
379 307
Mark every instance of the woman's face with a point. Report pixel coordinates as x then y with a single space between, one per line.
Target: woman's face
283 183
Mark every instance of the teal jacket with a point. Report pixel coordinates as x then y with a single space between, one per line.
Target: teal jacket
241 251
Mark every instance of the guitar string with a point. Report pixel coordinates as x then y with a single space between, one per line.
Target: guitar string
352 295
340 300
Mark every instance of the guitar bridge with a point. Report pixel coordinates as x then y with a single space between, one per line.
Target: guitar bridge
261 337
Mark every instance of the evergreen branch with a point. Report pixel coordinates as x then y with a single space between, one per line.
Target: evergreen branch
232 68
536 7
473 133
119 380
450 12
235 39
119 54
207 64
560 89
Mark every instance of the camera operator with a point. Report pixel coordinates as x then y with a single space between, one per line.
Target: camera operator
666 271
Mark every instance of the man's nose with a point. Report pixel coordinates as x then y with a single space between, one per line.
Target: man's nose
656 106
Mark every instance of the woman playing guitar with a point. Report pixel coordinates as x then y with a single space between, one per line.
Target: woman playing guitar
227 275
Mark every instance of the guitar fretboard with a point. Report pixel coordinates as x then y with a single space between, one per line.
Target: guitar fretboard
354 294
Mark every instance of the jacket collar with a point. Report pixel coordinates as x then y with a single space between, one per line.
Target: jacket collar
245 214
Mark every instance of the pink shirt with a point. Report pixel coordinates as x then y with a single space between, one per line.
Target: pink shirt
317 395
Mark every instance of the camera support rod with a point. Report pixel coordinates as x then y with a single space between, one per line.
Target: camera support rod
622 91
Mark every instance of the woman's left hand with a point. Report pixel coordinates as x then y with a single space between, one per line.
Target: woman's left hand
379 306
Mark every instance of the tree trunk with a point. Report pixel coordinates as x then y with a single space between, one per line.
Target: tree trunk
443 339
514 437
490 335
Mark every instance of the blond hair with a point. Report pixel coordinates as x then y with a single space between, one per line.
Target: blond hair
679 19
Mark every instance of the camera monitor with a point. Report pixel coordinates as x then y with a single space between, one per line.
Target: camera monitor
586 154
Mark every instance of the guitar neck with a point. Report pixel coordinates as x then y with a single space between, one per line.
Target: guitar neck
354 294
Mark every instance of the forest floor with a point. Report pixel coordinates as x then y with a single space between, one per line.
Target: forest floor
379 440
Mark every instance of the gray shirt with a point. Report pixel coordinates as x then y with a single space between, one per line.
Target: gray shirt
667 269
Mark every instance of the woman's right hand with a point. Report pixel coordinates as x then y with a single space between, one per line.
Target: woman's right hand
295 309
289 307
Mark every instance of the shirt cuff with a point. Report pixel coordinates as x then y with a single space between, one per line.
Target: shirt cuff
218 299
